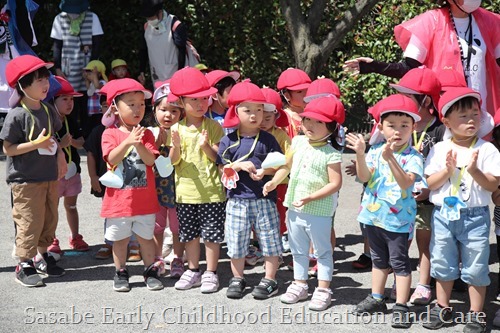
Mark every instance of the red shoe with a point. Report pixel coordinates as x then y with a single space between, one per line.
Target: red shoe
78 244
54 247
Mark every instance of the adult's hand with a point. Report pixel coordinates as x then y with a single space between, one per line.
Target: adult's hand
352 66
60 73
141 78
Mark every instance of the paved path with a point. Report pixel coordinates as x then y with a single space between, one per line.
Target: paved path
83 299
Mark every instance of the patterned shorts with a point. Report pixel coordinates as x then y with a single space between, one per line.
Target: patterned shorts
205 220
260 214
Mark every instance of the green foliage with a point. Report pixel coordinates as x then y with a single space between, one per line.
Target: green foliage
252 37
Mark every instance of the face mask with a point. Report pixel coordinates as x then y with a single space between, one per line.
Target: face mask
470 5
73 16
154 23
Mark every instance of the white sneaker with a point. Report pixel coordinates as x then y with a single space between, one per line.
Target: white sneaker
209 282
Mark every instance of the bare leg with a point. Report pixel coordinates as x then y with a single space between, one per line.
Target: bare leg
237 267
120 253
193 253
423 243
403 285
147 250
443 292
477 296
72 215
379 278
272 264
212 251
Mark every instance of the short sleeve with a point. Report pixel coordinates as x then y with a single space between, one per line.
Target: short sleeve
370 157
56 32
223 144
491 160
108 143
415 165
96 26
432 164
215 132
12 130
335 158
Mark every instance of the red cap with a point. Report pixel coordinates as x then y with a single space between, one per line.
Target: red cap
66 88
21 66
274 98
451 78
190 82
293 79
420 81
118 87
321 87
244 92
392 103
216 75
497 118
326 109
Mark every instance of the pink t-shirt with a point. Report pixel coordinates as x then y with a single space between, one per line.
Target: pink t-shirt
138 194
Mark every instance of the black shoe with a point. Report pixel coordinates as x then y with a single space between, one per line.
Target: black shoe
363 262
120 282
151 275
474 324
27 275
48 266
265 289
370 305
236 288
438 317
401 317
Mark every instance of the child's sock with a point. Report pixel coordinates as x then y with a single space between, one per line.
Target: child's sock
195 269
378 297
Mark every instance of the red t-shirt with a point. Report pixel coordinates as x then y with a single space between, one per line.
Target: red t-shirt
138 193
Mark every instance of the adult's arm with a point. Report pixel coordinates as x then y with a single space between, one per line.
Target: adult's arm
143 55
57 52
180 36
396 70
96 47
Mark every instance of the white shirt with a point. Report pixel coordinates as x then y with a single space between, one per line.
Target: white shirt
56 31
469 191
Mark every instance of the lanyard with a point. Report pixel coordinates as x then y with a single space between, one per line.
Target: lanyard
456 184
418 144
237 143
48 135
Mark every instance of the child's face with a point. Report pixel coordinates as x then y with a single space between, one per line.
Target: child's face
399 126
314 129
120 72
167 114
195 107
296 98
64 104
38 89
268 121
250 115
463 123
223 98
131 108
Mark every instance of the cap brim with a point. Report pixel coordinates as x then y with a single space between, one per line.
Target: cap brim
301 86
404 90
308 99
204 93
415 117
448 105
315 116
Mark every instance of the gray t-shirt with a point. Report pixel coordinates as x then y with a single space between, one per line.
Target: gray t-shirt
29 167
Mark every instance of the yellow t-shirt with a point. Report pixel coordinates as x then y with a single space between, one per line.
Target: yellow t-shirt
197 178
284 141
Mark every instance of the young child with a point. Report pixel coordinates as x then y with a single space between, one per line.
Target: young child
70 139
292 84
273 123
34 164
119 70
388 207
95 78
242 153
315 179
130 207
199 196
222 81
166 114
423 86
462 172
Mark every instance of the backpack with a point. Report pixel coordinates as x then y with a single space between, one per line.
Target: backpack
192 55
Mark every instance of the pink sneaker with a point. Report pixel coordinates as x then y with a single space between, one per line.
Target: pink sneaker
176 268
160 264
54 247
421 296
188 280
294 293
78 244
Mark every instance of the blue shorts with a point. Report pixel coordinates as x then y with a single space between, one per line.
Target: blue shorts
466 239
260 214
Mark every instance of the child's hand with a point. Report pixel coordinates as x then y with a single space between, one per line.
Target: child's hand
65 140
268 188
176 139
162 137
388 150
258 175
301 202
350 169
95 184
248 167
451 162
472 167
203 138
135 136
356 142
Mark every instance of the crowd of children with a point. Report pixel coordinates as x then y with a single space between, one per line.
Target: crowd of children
223 160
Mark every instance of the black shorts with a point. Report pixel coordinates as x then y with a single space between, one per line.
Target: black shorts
205 220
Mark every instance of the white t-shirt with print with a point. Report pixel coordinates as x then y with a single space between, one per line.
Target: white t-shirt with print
469 191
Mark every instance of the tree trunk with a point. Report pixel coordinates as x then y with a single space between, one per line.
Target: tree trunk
311 55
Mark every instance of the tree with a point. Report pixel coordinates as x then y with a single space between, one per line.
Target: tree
310 53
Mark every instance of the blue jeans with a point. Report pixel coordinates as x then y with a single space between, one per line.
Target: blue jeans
466 239
304 229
